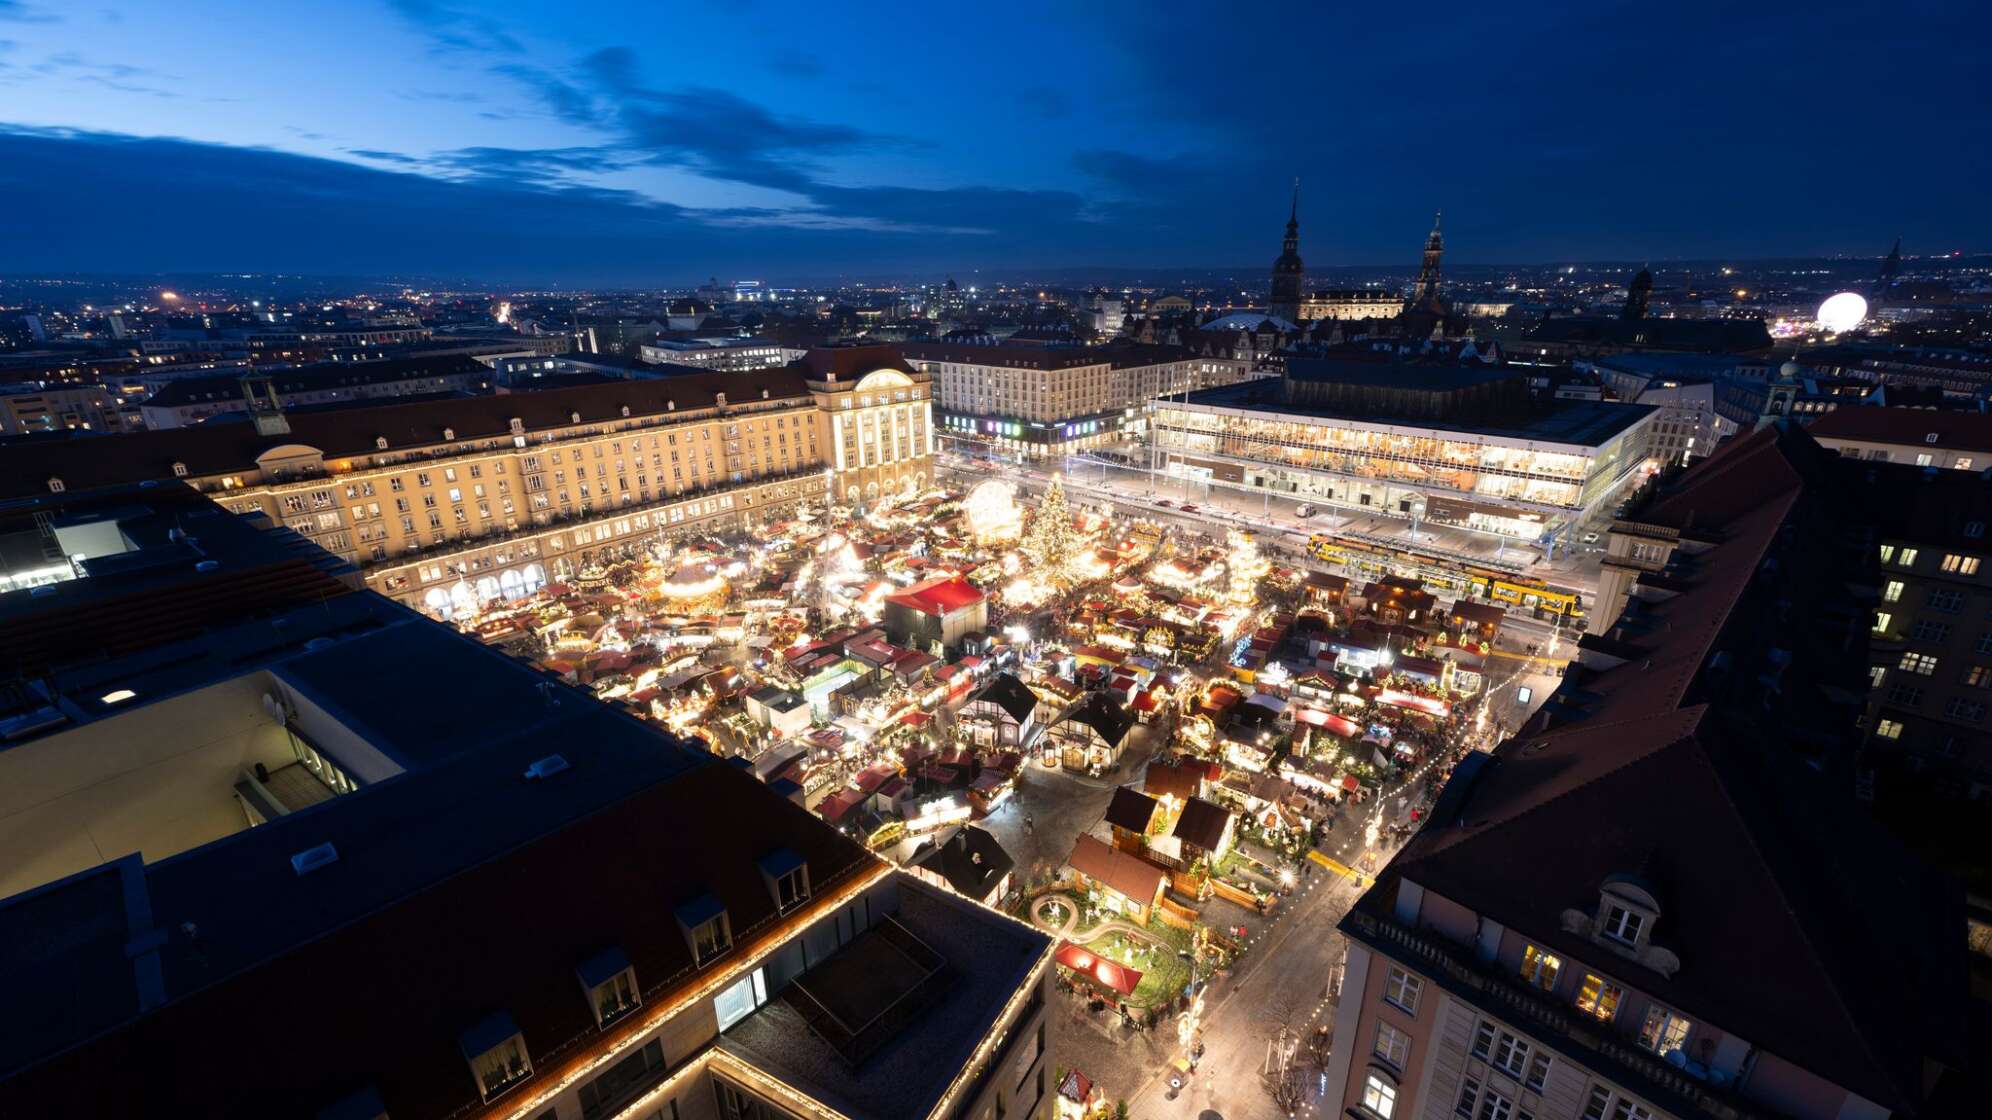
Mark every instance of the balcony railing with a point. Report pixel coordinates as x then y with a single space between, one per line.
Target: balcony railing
1557 1024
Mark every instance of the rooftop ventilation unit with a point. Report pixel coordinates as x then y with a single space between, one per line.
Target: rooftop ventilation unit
311 859
546 767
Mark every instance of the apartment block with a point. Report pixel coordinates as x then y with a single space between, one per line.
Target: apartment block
448 504
1659 899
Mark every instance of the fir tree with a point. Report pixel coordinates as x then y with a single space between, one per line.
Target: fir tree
1049 542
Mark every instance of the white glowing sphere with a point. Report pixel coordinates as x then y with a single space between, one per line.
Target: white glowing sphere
1842 312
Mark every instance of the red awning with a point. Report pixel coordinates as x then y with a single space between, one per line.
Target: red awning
1098 969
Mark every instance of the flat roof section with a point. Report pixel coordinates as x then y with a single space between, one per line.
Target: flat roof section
1589 424
984 958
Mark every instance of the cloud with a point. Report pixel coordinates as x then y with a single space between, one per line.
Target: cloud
458 97
451 30
15 11
248 209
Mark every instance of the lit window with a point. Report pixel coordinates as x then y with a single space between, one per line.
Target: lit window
497 1055
611 985
1379 1096
116 696
1392 1045
1599 997
1888 554
1540 968
1921 664
1892 592
1401 989
1881 621
1888 729
739 1000
1663 1031
1907 557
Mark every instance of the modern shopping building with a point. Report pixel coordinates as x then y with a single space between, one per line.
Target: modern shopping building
1453 440
256 869
1658 898
446 504
1032 401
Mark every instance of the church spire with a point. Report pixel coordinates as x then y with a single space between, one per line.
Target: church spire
1289 273
1426 290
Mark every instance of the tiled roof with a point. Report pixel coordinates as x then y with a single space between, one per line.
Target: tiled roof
1130 809
938 596
1202 824
1132 876
1958 431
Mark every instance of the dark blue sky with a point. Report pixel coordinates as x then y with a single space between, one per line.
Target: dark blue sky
652 143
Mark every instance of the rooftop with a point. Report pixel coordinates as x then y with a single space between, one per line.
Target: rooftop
1572 423
951 962
1950 431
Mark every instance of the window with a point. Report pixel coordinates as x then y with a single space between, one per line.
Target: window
1888 729
1392 1045
1973 530
1538 1074
1926 631
503 1063
1621 924
1946 602
740 1000
615 997
1985 642
1922 664
711 939
1664 1031
1971 711
1876 674
1888 554
1401 990
1379 1096
1906 694
1892 591
1469 1095
1599 997
1960 564
1881 621
1511 1055
624 1082
1906 558
1978 676
1625 1109
1601 1104
1540 968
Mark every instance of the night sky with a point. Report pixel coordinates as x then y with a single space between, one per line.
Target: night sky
652 143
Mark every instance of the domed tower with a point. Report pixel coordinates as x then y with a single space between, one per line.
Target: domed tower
1288 272
1638 295
1425 293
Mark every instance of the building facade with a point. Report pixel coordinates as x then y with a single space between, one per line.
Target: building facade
445 505
50 407
1033 401
1526 475
1920 437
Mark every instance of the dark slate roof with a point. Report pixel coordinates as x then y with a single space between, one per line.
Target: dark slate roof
1961 431
1012 695
972 861
319 378
1706 336
1131 809
1105 715
218 449
1201 823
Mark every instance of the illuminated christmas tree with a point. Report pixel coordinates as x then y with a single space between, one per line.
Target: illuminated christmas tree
1050 544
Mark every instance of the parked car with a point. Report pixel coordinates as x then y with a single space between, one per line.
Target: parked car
1189 509
1590 538
1304 511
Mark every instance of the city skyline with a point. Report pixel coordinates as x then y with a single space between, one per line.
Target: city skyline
614 146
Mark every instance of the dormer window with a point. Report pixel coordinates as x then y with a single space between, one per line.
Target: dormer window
1663 1032
708 932
787 877
55 486
380 443
610 985
497 1054
179 470
1621 924
449 435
